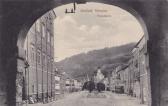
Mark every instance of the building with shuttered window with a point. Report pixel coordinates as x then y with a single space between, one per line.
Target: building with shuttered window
39 51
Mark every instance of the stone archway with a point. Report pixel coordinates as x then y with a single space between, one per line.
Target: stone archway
17 17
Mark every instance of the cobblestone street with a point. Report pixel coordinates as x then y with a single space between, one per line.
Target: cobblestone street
85 99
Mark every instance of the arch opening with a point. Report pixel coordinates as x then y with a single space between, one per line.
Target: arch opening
26 28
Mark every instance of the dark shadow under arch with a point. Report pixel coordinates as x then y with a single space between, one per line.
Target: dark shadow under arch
51 5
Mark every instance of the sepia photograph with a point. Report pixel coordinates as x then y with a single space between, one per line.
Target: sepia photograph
83 53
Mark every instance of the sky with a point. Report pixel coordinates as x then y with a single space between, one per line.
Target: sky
93 26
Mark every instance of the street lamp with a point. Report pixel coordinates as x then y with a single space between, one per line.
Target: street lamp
73 10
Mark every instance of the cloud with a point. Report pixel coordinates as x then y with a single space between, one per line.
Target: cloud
94 29
66 19
83 28
81 32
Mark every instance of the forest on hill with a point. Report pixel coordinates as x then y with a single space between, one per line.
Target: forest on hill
78 66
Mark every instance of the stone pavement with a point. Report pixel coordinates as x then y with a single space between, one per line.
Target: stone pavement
82 99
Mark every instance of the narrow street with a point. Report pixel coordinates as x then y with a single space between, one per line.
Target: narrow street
85 99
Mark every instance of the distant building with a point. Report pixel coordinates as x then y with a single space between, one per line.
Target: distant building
39 51
134 77
98 77
58 78
113 78
142 66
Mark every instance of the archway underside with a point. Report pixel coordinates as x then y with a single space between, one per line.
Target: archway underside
17 18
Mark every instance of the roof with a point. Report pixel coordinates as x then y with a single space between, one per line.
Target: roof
139 42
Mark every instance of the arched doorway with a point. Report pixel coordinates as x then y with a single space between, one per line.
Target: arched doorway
140 20
108 7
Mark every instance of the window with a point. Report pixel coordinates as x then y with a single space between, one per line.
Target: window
39 87
57 78
48 36
38 25
57 86
52 41
118 76
136 63
47 62
38 57
26 54
33 89
67 82
44 59
43 30
32 53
